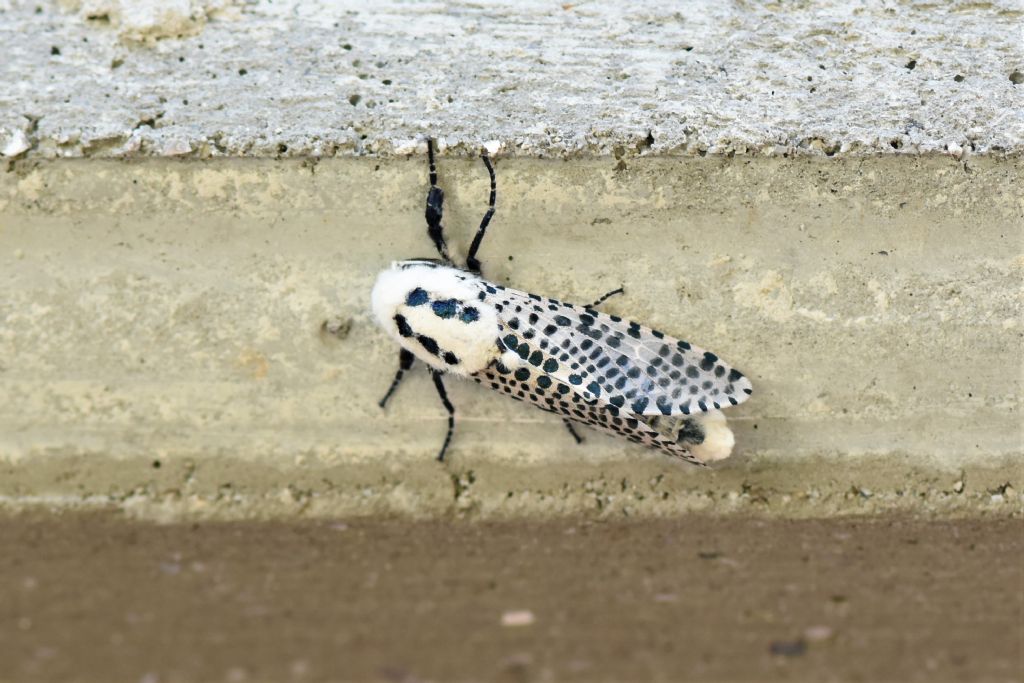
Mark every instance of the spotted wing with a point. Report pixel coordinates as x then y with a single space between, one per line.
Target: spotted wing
557 397
614 361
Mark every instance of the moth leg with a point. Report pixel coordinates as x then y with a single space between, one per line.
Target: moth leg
572 430
471 261
435 207
607 296
405 359
439 385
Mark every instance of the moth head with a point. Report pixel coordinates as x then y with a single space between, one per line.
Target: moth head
437 313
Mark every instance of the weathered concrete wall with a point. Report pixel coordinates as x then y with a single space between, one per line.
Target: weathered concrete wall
162 335
225 77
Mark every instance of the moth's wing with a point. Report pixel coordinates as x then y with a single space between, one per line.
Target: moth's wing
557 397
614 361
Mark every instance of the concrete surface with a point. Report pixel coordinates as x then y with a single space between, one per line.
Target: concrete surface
827 194
662 600
198 78
194 338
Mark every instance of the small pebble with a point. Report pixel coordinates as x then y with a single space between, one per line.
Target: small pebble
520 617
817 634
789 648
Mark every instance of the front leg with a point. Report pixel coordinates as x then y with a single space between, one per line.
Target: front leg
439 385
405 360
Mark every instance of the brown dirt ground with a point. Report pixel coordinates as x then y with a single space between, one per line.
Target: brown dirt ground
100 598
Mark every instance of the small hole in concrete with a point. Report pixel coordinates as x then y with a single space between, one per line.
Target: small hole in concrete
156 464
354 99
896 144
346 46
54 50
386 81
1017 78
911 64
336 327
958 78
242 72
282 148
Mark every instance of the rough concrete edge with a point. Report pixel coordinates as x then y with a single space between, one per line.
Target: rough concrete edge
24 143
186 488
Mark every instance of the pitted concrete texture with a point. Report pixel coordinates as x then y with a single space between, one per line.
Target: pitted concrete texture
196 336
542 78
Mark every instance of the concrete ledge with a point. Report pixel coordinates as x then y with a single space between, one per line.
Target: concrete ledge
201 78
193 338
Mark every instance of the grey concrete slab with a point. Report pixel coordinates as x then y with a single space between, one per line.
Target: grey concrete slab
543 78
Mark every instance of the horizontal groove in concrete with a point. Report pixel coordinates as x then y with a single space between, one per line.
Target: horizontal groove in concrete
162 336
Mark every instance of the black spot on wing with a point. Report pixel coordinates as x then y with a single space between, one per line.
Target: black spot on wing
664 405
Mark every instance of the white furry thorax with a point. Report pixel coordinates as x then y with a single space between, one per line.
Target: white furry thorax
437 313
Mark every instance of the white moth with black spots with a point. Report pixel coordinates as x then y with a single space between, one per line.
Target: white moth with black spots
574 361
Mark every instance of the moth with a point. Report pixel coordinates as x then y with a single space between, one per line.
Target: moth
581 364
